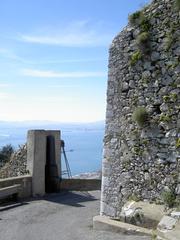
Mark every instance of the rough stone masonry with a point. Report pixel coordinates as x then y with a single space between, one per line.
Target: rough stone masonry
142 138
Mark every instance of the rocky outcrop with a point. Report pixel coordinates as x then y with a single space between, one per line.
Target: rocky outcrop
17 164
142 137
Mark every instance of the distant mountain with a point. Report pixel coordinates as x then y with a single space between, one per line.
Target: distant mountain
50 125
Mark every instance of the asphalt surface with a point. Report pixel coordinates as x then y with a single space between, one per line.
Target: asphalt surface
64 216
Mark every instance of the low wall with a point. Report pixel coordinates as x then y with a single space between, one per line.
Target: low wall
80 184
25 181
64 184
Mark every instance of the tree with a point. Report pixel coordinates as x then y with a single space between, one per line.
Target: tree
5 153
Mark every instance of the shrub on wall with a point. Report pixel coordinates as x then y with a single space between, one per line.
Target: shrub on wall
140 116
144 24
139 19
143 42
135 18
169 198
143 38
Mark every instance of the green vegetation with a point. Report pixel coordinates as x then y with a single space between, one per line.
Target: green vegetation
166 98
140 20
140 116
126 164
164 118
171 35
145 25
5 153
135 57
168 41
145 80
154 235
174 85
143 42
135 132
134 197
177 204
177 4
178 143
172 97
135 18
169 198
145 142
138 151
135 100
143 38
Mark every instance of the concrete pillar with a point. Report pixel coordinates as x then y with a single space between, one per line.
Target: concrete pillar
36 157
36 160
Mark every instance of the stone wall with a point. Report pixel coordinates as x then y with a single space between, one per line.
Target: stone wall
79 184
17 164
25 182
142 137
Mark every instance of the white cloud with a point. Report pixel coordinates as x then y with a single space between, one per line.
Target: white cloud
76 34
67 61
53 74
57 61
7 53
2 50
4 95
4 85
63 86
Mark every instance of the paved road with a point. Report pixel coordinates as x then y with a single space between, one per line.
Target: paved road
65 216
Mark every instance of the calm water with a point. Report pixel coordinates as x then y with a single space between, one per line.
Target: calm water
83 146
83 150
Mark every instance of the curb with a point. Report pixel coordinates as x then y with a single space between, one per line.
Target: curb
168 235
107 224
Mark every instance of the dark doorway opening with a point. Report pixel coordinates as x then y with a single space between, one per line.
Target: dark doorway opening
51 169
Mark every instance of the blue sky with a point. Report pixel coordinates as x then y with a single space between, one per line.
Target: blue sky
54 57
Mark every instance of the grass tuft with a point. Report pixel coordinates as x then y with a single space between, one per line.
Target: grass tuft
177 4
140 116
135 57
143 38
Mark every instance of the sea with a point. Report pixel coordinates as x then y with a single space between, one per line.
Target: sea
83 142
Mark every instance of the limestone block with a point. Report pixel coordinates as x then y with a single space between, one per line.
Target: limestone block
175 215
178 189
167 223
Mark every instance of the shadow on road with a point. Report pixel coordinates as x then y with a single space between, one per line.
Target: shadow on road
74 199
10 205
71 198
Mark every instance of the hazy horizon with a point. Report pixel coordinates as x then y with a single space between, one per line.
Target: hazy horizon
51 122
83 142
